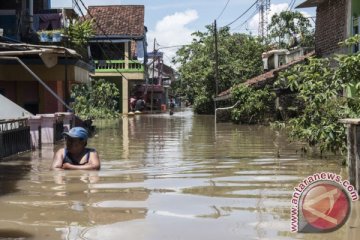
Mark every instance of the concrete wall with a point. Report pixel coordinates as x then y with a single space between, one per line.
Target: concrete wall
24 93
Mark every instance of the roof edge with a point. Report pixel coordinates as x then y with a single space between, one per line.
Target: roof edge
309 3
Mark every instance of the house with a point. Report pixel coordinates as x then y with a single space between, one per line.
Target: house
37 77
335 21
16 18
275 58
266 78
118 47
158 86
22 20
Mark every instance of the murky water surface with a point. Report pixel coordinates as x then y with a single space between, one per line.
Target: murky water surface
164 177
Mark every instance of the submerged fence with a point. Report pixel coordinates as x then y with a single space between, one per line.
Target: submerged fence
58 130
14 137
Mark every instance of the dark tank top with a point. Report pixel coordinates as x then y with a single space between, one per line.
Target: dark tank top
68 159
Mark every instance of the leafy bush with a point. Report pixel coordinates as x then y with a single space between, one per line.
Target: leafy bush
255 106
239 58
98 100
79 32
321 88
203 105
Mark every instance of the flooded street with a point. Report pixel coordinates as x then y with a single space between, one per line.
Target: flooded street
165 177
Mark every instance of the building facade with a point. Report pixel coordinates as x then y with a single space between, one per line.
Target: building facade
119 47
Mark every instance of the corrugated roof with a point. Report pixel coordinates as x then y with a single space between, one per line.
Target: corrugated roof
15 49
118 19
265 78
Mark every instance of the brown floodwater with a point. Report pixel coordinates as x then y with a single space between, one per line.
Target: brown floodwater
165 177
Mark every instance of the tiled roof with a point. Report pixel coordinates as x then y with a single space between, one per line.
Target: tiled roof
265 78
118 19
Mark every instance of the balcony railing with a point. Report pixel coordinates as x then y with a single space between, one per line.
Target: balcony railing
109 66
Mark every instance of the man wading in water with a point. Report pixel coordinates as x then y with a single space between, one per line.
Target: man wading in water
76 155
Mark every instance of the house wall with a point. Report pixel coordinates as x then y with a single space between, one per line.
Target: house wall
108 51
27 93
356 8
23 93
331 26
48 102
8 89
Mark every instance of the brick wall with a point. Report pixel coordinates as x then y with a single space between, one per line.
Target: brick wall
330 26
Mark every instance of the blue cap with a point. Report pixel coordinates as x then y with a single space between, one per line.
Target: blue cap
77 132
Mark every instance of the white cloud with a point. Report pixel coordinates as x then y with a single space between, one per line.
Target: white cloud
274 8
172 31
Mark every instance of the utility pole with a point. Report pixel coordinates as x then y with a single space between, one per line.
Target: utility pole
216 65
153 75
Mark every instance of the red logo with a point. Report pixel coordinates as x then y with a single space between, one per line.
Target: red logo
325 207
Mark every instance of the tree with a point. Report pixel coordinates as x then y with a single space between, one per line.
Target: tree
99 100
290 28
79 33
239 59
320 87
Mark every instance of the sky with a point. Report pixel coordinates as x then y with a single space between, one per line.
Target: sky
172 22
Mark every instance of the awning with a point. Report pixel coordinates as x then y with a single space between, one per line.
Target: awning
16 49
310 3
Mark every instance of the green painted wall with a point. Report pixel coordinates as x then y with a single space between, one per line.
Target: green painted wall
356 8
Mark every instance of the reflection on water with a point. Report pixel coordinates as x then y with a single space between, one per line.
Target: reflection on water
164 177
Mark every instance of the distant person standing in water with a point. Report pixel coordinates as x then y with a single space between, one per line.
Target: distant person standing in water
76 156
172 105
140 104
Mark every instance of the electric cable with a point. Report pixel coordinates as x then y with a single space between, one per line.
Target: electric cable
247 10
222 11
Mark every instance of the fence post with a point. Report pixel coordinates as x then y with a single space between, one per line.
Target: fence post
47 128
2 150
68 119
35 126
353 145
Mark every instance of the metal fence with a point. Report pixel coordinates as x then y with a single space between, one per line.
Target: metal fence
14 137
58 130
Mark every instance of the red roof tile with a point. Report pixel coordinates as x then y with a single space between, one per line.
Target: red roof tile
118 19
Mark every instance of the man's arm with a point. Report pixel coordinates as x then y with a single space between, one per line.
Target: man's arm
58 159
93 164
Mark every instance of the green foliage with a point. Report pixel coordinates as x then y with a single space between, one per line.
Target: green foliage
99 100
255 105
203 105
287 25
320 87
239 58
79 32
351 41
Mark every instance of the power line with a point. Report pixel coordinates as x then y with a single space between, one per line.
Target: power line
97 24
251 16
293 4
247 10
222 11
